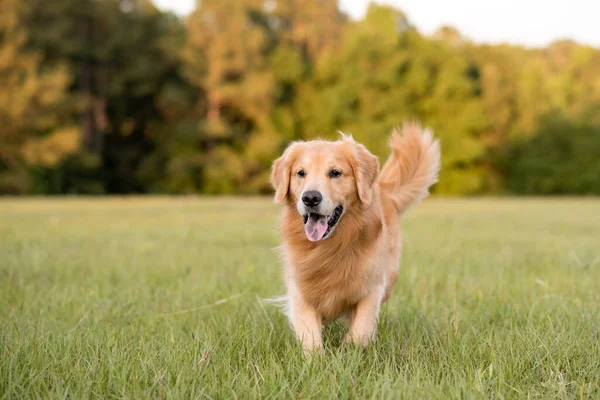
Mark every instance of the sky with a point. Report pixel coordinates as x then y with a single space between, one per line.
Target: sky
531 23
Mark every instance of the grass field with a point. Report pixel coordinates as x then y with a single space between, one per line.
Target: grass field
160 298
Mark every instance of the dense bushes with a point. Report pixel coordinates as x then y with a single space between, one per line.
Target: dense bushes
561 158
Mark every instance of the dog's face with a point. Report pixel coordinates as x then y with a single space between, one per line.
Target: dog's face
322 179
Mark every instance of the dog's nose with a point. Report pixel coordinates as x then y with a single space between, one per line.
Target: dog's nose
311 198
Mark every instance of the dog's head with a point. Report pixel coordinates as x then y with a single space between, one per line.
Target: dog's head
322 179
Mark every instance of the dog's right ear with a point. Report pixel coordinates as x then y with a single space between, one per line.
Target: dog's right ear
365 173
281 172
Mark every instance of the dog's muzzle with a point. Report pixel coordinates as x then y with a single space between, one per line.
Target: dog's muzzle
318 227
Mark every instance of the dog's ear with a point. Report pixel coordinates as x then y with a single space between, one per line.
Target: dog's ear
366 169
280 172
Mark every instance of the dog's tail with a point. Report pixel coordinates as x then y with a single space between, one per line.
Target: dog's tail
412 167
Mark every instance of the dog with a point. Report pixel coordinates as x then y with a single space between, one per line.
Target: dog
341 238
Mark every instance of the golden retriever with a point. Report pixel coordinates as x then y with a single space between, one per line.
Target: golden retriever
340 229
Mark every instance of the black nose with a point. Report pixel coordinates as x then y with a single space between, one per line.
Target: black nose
311 198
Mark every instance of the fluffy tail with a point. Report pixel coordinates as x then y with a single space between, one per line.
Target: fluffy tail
412 167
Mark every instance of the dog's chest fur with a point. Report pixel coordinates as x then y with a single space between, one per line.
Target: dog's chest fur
333 275
338 284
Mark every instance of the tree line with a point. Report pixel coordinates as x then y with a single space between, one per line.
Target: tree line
115 96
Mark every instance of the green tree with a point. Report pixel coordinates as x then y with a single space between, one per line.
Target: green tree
309 26
115 96
30 103
121 54
386 72
226 57
561 158
520 87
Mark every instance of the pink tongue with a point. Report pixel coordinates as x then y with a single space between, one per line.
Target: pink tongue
315 227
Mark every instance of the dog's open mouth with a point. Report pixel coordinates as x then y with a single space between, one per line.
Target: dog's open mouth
318 226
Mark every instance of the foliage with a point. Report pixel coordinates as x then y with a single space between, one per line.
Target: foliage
561 159
203 105
30 100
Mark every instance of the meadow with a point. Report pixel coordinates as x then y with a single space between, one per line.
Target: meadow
162 298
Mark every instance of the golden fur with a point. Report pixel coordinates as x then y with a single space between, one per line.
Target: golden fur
352 271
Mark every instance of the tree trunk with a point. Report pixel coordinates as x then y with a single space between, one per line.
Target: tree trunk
93 115
88 125
214 107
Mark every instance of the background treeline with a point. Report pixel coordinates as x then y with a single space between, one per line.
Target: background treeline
115 96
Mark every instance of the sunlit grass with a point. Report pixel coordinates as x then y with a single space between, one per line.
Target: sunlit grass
154 298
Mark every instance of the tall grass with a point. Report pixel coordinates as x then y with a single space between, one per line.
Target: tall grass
161 298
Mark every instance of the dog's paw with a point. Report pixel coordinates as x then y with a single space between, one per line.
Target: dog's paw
358 341
312 350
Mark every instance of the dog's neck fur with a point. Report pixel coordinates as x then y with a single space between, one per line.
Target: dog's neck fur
341 257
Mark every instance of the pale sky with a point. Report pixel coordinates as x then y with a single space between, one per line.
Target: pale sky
525 22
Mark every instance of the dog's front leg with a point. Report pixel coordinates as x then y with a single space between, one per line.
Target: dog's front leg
307 324
363 319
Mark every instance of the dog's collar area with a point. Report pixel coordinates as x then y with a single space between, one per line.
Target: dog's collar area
331 222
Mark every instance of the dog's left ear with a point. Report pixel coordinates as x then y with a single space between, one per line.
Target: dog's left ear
280 173
366 169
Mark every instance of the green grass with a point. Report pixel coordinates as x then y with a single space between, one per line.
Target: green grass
160 298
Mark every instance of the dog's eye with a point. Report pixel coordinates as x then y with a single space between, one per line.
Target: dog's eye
301 173
335 173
